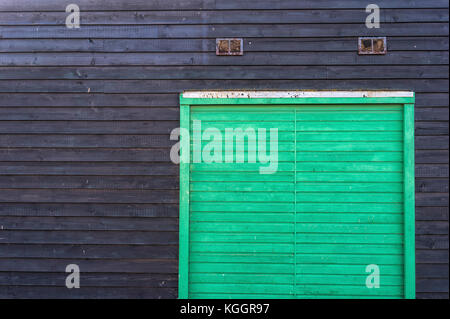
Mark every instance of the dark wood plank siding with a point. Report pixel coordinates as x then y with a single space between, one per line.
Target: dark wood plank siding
85 117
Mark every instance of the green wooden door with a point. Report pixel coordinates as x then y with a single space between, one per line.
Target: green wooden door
327 222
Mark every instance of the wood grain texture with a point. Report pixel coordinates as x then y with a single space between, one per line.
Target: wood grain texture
223 17
256 58
335 44
55 5
85 117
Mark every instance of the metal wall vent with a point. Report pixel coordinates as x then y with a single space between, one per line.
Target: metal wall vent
372 45
229 47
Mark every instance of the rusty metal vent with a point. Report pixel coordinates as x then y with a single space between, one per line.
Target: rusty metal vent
229 47
372 45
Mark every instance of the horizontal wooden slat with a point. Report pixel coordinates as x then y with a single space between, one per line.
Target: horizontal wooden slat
349 238
344 44
307 126
287 279
228 72
88 196
432 170
103 114
221 197
237 177
235 288
88 210
354 146
85 155
375 136
301 238
432 185
432 213
432 128
432 286
223 17
353 218
287 269
39 292
241 227
432 157
240 187
97 169
239 167
394 208
90 182
57 279
300 187
351 155
280 289
88 127
81 100
248 248
227 115
327 248
89 223
238 207
304 208
241 278
332 197
241 268
86 141
426 241
432 295
432 99
349 177
349 115
343 126
218 31
432 271
233 258
348 269
301 227
337 289
53 5
199 110
348 167
256 58
431 114
89 266
342 227
87 237
431 142
362 187
88 251
431 228
432 256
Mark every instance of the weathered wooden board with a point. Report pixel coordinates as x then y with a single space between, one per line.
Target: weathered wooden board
85 117
55 5
336 44
192 59
246 72
223 17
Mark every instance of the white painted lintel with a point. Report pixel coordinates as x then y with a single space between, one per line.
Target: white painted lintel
293 94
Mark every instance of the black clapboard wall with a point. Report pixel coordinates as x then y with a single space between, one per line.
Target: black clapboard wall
85 117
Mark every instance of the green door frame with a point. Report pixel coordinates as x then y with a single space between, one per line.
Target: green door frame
407 99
